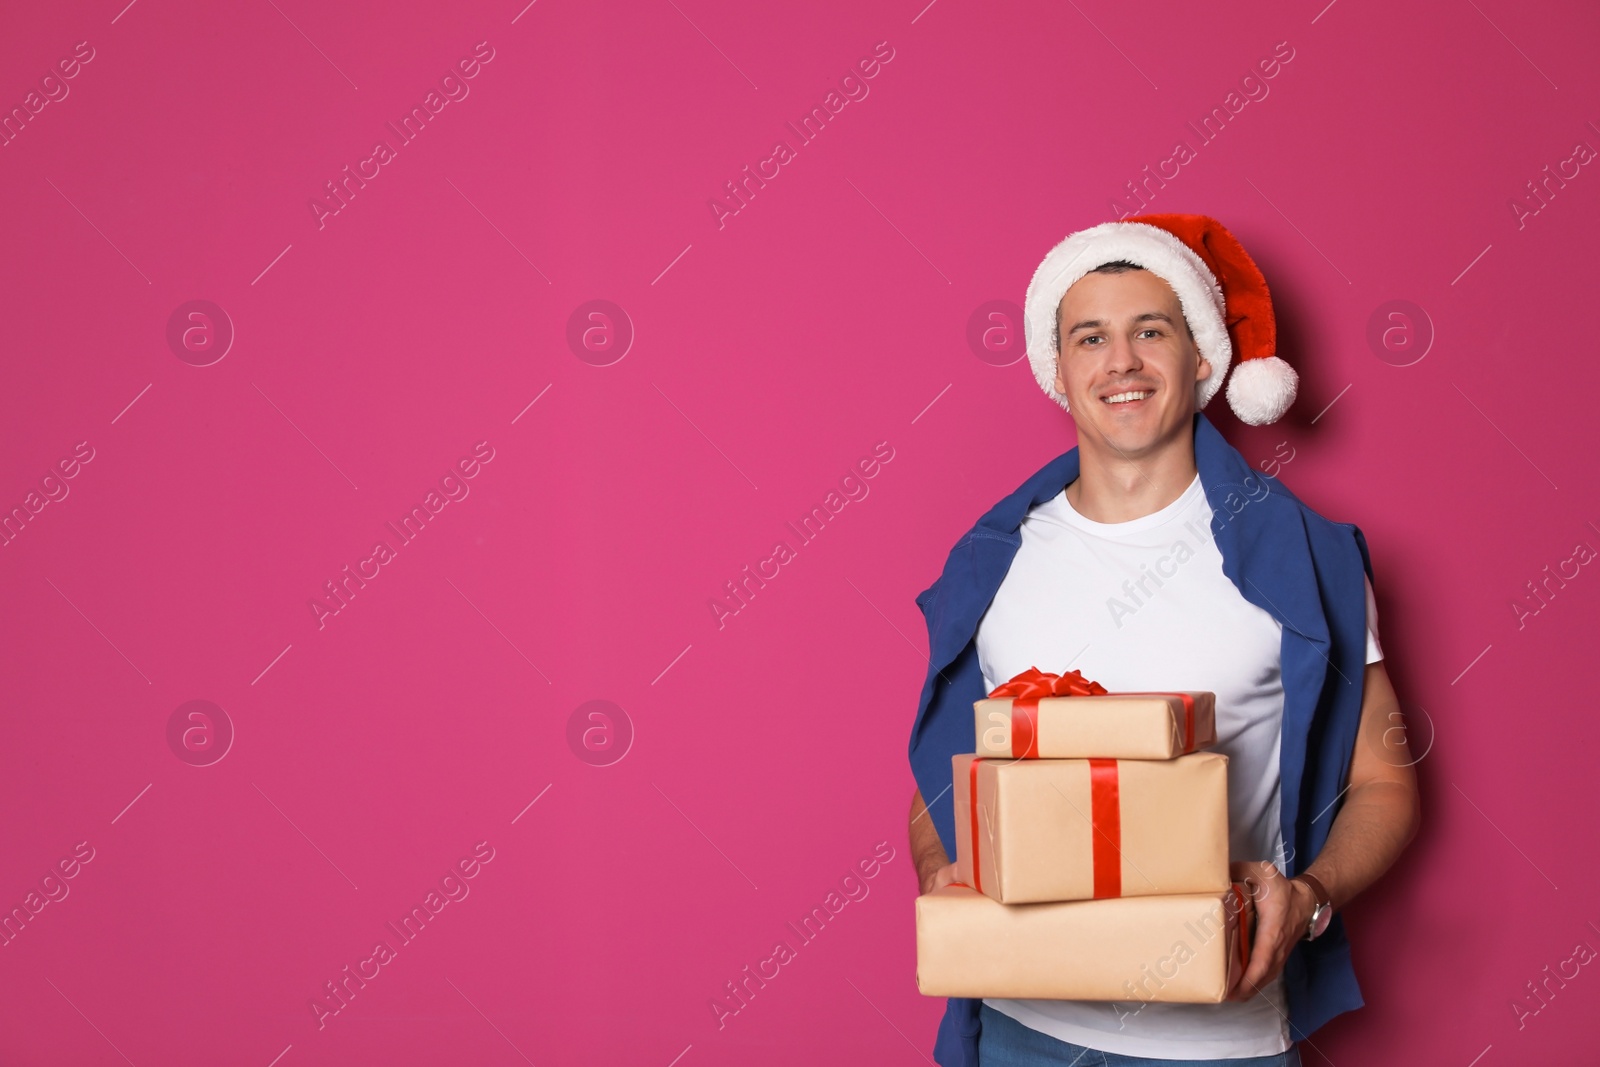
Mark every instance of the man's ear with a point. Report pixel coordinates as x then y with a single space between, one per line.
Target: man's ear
1203 371
1061 385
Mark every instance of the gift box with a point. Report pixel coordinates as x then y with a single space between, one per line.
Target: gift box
1078 829
1183 948
1048 716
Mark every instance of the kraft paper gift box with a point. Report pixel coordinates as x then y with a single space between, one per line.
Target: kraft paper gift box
1079 829
1183 948
1047 716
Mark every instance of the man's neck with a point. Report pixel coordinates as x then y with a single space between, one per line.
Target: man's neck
1113 487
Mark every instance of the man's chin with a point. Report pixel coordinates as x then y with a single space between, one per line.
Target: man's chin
1132 437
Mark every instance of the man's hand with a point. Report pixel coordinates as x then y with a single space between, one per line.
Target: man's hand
934 868
1283 911
1378 819
941 878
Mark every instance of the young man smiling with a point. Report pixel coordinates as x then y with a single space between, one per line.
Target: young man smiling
1132 327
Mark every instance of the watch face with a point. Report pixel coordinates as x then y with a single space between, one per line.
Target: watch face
1320 919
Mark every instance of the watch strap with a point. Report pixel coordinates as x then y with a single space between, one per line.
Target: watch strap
1318 890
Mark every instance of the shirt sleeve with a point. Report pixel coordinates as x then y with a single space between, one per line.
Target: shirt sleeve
1374 650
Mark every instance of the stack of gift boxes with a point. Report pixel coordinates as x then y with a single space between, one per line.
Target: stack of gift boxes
1092 852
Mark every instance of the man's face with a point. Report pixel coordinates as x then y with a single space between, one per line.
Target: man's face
1120 334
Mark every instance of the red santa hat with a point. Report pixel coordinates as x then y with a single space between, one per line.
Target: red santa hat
1222 293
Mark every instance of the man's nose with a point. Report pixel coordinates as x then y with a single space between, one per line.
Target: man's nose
1122 355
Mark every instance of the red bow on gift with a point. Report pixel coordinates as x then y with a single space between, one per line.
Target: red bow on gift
1026 690
1033 683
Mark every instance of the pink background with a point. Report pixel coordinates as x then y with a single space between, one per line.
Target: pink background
829 314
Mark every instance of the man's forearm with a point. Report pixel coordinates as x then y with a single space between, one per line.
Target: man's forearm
927 851
1376 823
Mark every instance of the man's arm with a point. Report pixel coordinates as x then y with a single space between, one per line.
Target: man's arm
934 868
1379 818
1382 810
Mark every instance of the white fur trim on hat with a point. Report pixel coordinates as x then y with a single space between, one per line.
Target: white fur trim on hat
1261 389
1157 251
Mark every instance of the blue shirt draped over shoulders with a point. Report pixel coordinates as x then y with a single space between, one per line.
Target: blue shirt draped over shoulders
1307 571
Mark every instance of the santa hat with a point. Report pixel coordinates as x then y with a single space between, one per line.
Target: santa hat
1222 293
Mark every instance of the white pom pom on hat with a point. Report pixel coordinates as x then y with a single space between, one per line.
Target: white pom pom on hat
1223 295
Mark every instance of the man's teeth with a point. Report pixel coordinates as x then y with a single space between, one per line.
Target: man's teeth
1122 398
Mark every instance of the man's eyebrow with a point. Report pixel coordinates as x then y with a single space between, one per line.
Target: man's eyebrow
1096 324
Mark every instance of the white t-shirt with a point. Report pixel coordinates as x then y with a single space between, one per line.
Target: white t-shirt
1144 605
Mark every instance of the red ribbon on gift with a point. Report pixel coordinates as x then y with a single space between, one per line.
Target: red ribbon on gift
1105 819
1026 690
972 812
1032 685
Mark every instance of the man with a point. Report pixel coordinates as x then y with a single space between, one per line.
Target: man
1151 556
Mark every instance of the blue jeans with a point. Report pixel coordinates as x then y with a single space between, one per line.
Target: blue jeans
1004 1042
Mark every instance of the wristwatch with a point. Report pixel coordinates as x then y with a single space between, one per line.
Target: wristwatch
1324 913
